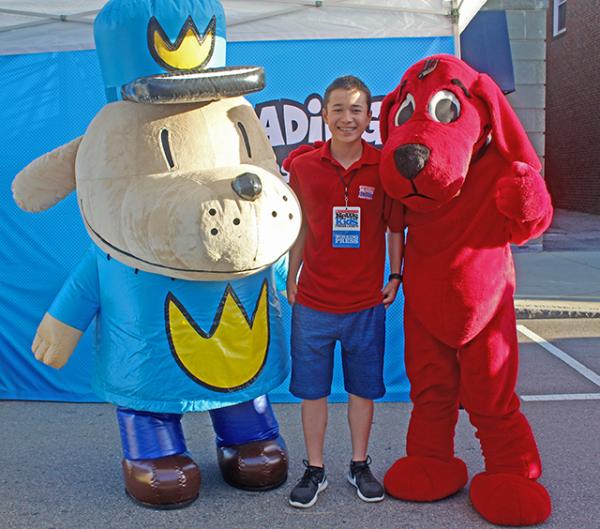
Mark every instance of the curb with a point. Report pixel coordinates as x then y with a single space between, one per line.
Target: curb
535 310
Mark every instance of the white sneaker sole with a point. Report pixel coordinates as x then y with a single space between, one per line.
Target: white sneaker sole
298 505
352 482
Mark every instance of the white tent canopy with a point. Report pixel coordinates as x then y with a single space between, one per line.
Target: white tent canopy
33 26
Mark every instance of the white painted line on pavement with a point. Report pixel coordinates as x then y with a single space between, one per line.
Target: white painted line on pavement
565 396
561 355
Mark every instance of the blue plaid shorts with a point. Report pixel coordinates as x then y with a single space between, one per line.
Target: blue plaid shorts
362 338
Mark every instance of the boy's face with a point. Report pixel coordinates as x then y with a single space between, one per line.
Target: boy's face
347 114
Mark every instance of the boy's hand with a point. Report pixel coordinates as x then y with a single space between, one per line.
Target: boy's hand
291 291
389 292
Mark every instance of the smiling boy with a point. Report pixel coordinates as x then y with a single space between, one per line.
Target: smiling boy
338 296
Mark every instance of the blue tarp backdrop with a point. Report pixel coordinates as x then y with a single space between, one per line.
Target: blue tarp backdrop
49 99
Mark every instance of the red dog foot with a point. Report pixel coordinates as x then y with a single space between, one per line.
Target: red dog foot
508 499
417 478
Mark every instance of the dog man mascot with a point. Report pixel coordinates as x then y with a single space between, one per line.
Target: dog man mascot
180 193
457 157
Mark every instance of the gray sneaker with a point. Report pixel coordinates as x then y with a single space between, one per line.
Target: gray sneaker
367 487
306 491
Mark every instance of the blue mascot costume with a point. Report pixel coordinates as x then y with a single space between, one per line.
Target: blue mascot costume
179 191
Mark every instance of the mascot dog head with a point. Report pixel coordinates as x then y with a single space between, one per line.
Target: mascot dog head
187 191
436 123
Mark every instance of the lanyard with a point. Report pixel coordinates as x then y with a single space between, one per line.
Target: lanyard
344 183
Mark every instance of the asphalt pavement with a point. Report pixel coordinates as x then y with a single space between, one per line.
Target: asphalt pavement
61 470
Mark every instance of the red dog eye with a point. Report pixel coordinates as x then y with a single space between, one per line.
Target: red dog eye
444 107
405 111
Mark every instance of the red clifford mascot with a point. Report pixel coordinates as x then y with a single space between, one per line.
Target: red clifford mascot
457 157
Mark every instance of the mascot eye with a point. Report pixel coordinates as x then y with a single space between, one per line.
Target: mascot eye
405 111
444 107
245 138
164 140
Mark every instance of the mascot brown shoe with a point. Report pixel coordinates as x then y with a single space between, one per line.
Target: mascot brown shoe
260 465
168 482
456 156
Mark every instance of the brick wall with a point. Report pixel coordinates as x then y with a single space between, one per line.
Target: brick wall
573 109
527 32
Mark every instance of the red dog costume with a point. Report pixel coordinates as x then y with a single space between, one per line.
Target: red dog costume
457 157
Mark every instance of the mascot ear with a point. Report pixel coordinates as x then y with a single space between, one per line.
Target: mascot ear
507 132
46 180
386 105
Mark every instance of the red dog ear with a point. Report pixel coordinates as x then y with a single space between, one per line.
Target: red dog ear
386 105
507 131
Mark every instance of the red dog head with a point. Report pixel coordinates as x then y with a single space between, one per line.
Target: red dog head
436 123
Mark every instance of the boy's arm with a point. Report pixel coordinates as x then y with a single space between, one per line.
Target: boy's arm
393 214
69 315
297 250
395 244
294 263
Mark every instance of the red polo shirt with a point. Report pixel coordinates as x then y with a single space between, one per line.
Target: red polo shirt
342 280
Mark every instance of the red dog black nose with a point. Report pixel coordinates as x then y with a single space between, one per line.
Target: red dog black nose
410 159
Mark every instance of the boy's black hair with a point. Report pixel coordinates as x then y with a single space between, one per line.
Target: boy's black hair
347 82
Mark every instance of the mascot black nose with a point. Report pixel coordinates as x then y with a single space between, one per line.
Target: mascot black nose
410 159
247 185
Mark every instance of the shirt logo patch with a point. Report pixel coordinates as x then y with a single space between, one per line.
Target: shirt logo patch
366 192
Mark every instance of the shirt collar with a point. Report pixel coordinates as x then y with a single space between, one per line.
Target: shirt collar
370 155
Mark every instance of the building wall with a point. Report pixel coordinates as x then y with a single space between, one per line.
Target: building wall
527 32
572 110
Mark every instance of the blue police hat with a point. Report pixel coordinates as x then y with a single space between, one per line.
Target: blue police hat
168 51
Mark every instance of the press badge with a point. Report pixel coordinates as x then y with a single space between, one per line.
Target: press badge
346 227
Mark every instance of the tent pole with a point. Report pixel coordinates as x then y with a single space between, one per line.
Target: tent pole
26 13
374 7
455 16
31 24
270 15
47 18
344 4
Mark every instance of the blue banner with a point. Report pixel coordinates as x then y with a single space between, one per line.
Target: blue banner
49 99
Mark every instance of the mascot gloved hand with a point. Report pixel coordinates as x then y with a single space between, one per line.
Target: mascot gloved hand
180 193
54 342
457 157
521 196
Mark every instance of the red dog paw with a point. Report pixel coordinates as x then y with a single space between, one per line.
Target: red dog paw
417 478
300 150
508 499
521 194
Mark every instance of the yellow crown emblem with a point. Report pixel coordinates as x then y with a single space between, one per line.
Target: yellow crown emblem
232 354
190 51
